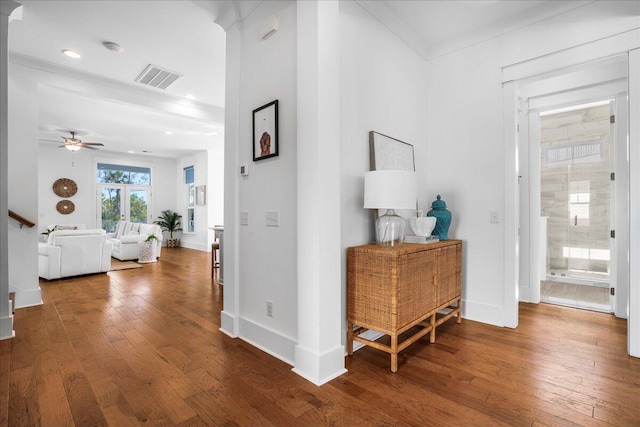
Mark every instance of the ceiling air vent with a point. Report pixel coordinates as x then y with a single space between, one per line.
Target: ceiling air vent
157 77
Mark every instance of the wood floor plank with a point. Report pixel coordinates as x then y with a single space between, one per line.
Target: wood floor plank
5 370
143 347
24 409
51 391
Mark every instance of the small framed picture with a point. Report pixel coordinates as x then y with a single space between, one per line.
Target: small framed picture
265 131
201 195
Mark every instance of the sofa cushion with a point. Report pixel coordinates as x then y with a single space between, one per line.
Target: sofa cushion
68 233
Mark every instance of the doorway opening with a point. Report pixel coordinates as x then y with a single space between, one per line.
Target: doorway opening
576 200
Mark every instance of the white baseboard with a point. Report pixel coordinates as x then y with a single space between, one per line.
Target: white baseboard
26 298
319 368
194 245
271 342
228 324
6 326
483 313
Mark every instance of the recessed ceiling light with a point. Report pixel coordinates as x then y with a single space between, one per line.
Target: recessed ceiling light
71 53
191 97
169 132
130 152
211 133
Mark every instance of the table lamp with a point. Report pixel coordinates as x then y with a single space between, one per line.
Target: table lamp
390 189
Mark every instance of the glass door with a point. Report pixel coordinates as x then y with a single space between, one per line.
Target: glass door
111 208
122 201
576 196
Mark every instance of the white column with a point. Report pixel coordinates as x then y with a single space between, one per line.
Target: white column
231 308
511 205
319 354
6 317
633 330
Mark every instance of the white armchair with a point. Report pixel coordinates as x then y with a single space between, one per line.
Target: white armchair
74 252
127 237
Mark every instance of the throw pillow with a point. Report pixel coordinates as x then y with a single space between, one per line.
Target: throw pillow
65 227
120 228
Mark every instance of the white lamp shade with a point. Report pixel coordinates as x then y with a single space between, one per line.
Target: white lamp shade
390 189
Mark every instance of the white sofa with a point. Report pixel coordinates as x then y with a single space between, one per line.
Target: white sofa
74 252
128 235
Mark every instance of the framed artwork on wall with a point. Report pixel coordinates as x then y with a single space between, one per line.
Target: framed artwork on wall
265 131
389 153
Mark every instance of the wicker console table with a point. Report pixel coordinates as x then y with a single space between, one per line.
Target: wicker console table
392 289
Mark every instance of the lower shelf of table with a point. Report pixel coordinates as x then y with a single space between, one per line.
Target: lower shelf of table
428 323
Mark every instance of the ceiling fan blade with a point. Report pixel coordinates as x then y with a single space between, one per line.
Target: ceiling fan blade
86 144
88 147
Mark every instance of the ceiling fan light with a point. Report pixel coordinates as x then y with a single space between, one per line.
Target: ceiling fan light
72 147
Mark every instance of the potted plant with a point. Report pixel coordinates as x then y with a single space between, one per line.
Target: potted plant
149 249
170 221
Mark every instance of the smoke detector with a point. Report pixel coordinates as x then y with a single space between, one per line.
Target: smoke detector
114 47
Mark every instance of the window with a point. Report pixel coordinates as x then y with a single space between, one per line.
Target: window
579 198
118 174
191 198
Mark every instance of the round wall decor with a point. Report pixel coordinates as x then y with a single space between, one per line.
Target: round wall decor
65 187
65 207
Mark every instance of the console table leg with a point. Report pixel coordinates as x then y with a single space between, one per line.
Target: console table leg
350 338
459 319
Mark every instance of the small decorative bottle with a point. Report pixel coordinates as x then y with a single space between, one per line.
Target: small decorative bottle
443 218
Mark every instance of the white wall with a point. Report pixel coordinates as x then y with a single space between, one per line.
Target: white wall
382 88
200 238
266 256
466 146
23 184
215 190
55 163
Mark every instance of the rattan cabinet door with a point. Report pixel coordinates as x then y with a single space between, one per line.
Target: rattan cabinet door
449 274
371 288
416 293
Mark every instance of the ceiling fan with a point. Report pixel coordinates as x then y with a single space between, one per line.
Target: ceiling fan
74 144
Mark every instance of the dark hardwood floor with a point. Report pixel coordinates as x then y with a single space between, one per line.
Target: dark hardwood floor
142 347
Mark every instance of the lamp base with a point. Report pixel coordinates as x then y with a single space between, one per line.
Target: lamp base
390 229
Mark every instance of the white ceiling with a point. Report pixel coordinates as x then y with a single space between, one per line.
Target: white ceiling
176 35
181 36
434 28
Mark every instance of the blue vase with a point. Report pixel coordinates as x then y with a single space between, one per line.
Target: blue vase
443 218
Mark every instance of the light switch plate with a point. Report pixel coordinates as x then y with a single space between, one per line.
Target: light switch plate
244 218
273 218
493 217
